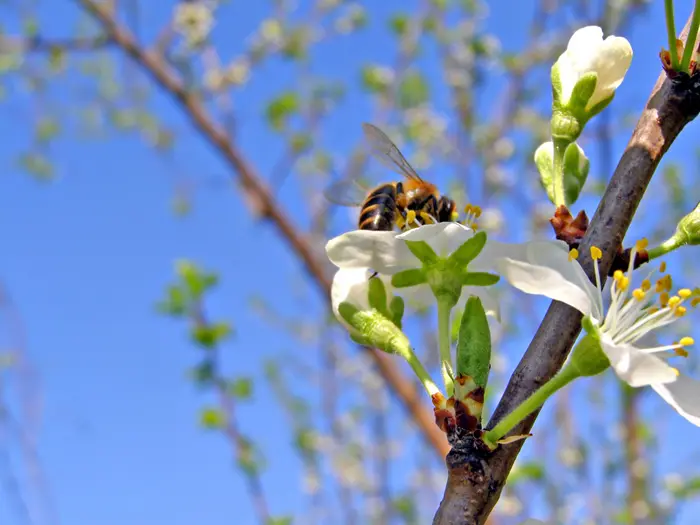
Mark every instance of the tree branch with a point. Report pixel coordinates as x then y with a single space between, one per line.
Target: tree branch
476 477
263 202
39 43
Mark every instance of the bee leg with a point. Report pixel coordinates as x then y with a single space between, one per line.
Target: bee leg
373 276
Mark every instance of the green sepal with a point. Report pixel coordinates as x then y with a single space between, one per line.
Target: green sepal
480 279
396 309
466 253
556 84
688 229
372 328
565 125
576 168
582 92
474 343
347 311
587 357
423 252
600 106
406 278
377 296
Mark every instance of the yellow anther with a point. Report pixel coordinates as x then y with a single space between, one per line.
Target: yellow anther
695 301
468 209
669 282
622 283
652 310
638 294
685 293
573 254
662 266
617 275
410 217
675 371
674 301
681 352
663 299
680 311
476 210
646 285
641 244
596 253
455 216
686 341
400 222
427 219
473 225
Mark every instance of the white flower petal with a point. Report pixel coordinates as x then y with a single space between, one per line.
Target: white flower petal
350 285
444 237
683 395
544 268
636 367
381 251
488 299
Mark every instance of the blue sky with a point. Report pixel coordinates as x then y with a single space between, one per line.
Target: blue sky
86 257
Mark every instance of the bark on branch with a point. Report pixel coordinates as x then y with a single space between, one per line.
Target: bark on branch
263 201
476 478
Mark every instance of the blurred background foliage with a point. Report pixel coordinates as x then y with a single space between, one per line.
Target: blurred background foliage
272 94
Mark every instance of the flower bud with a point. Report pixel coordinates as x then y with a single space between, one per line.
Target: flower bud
688 229
576 167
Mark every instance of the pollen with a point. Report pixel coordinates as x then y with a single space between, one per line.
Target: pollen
410 217
455 216
695 301
686 341
641 244
596 254
400 222
680 311
623 283
573 254
684 293
674 301
476 211
646 285
618 275
663 299
427 219
675 371
639 294
662 266
664 284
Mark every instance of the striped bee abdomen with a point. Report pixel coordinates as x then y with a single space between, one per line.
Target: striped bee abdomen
379 209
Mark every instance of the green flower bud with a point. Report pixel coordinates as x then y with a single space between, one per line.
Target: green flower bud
688 229
575 167
474 343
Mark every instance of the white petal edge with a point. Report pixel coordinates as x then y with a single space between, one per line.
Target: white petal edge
444 237
684 396
636 367
379 250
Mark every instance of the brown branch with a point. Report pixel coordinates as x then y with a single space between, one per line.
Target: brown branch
476 478
39 43
263 202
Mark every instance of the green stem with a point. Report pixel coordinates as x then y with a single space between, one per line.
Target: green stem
671 33
444 309
665 247
559 188
532 403
689 50
422 374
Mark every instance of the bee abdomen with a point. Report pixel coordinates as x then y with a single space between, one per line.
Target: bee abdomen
379 209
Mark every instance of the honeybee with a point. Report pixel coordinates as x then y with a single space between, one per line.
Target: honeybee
406 203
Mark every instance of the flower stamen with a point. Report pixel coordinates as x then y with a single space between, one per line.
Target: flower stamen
573 254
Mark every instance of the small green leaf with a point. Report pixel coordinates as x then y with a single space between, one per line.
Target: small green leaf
295 45
583 91
283 520
474 343
480 279
406 278
212 418
466 253
423 252
399 24
241 388
280 109
211 335
203 374
304 440
175 303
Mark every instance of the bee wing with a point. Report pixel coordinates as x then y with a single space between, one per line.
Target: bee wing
386 152
346 192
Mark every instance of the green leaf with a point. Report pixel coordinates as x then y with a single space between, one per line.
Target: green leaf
406 278
527 471
283 520
583 91
374 79
296 43
203 374
304 441
413 90
211 335
474 343
423 252
399 24
175 303
466 253
241 388
280 109
480 279
47 129
212 418
300 142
